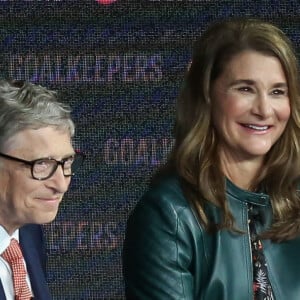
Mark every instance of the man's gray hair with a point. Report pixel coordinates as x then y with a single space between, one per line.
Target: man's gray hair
24 105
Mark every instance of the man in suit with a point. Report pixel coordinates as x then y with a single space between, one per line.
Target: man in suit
37 161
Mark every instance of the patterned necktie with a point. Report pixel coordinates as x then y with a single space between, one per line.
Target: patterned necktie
13 256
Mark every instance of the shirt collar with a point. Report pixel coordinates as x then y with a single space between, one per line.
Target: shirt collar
5 238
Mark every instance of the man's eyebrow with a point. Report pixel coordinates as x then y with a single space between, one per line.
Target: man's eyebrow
53 157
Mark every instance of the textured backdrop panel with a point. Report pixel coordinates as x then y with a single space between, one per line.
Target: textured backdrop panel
120 65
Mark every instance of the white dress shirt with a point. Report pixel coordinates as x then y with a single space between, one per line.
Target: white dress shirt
5 270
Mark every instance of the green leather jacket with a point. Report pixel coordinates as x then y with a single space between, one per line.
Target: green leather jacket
168 255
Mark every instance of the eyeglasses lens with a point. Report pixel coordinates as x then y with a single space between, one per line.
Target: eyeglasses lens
45 168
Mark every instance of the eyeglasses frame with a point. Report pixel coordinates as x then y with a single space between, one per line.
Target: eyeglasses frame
32 162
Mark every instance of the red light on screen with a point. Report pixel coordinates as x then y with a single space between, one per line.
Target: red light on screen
106 2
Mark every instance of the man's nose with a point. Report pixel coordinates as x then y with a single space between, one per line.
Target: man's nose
59 181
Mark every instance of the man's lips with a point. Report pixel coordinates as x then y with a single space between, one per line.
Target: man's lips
49 199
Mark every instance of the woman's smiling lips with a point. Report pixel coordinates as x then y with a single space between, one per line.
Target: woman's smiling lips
258 128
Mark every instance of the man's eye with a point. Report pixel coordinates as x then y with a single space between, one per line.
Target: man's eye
42 164
69 161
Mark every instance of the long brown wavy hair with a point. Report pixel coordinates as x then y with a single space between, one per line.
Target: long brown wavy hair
195 155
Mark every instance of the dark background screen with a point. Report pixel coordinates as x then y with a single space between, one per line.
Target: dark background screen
120 65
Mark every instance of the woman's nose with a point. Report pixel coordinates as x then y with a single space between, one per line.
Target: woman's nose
262 106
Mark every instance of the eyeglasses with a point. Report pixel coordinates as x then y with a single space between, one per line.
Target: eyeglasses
44 168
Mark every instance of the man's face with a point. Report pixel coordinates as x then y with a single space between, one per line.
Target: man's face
26 200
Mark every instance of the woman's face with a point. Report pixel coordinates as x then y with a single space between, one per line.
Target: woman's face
250 105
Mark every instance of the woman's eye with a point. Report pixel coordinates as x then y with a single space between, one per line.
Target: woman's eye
279 92
245 89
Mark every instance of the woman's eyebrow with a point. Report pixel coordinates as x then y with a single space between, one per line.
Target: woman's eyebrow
242 81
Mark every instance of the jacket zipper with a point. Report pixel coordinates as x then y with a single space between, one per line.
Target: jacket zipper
250 251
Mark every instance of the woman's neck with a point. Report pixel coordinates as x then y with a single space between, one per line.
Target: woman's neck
241 172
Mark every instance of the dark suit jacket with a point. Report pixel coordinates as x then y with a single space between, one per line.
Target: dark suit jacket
33 247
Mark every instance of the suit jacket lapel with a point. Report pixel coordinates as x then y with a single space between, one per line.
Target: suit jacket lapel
2 295
32 251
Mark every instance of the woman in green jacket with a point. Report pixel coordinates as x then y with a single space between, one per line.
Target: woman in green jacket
221 220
